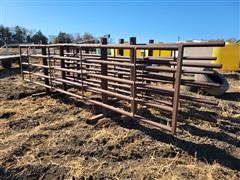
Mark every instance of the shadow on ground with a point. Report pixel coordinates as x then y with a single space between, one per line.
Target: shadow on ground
231 96
204 152
9 72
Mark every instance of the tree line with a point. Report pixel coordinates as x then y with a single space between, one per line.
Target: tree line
18 34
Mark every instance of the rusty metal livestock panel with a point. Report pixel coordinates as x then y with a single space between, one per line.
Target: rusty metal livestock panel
130 85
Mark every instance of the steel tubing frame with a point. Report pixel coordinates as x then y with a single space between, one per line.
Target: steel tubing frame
128 79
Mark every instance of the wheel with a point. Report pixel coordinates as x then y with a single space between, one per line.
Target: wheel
214 78
6 64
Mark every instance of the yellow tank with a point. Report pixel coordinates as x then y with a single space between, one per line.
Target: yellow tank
228 56
162 53
140 53
126 53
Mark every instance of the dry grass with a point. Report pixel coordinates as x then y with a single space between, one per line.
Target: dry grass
48 137
4 51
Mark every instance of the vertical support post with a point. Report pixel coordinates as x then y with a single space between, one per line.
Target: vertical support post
104 72
68 65
78 65
7 51
177 84
120 51
28 61
45 69
81 67
77 51
20 61
50 66
86 50
63 73
150 51
133 74
174 74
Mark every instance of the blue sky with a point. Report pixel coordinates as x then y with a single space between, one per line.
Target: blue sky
161 20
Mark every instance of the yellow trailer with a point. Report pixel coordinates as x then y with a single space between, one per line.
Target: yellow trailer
228 56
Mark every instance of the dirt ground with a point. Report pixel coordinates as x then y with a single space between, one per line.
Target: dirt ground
51 137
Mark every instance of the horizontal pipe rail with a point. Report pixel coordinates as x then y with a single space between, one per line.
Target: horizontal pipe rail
134 82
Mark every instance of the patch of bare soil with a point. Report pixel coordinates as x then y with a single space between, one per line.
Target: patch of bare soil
51 137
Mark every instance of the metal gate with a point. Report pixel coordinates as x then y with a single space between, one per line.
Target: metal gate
129 85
